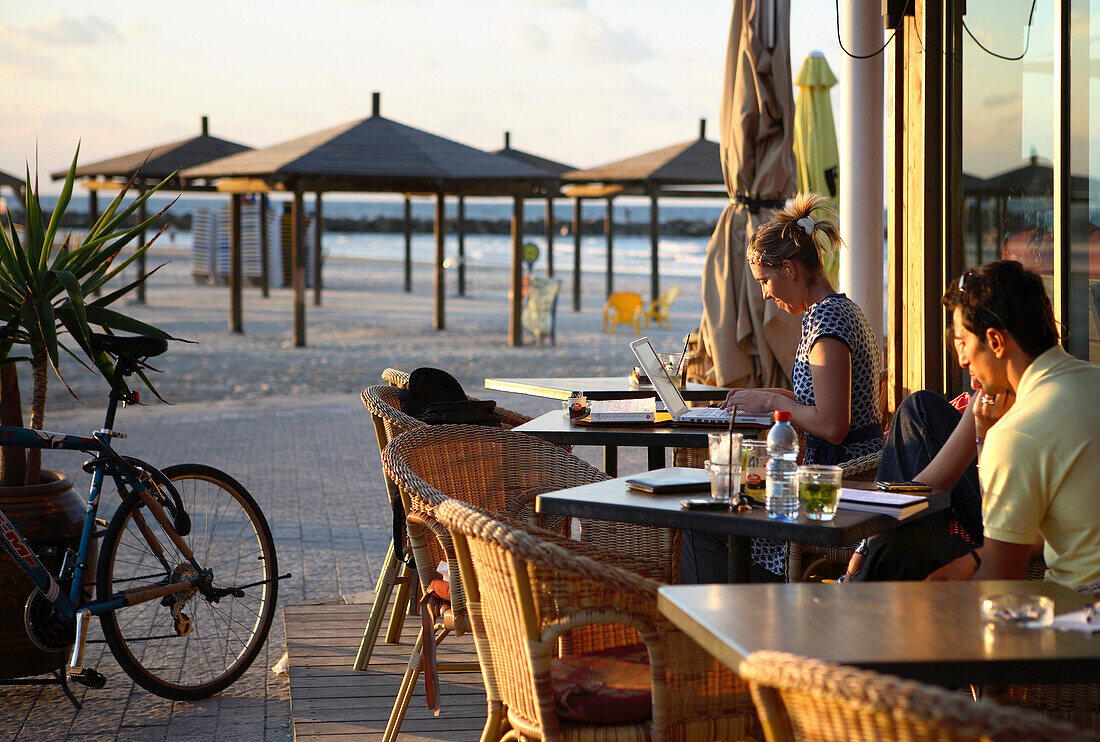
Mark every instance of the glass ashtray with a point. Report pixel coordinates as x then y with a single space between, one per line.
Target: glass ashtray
1024 611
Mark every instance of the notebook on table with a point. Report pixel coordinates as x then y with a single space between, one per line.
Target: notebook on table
676 404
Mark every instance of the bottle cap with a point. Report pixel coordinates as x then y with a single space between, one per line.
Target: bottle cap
781 416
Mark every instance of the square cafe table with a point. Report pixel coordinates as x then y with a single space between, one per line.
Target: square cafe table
556 427
613 500
599 387
927 631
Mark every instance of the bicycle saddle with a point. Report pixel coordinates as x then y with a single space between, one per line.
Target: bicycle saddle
133 346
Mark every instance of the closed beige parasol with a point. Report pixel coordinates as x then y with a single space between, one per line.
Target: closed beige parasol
750 343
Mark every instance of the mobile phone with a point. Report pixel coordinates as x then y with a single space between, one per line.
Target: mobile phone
903 487
704 503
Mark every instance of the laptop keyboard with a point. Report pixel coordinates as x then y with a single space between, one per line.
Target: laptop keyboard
709 414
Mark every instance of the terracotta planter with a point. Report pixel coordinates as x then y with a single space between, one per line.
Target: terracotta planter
50 514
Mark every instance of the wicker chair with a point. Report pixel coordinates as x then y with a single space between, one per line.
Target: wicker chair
536 601
385 408
799 698
501 472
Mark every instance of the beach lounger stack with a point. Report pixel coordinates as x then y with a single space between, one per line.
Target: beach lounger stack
251 263
274 249
204 233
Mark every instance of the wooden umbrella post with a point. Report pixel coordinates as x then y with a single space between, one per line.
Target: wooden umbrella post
265 249
654 240
235 313
298 267
408 245
549 236
515 294
318 230
609 231
461 225
578 224
440 284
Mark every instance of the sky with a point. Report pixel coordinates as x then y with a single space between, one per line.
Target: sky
580 81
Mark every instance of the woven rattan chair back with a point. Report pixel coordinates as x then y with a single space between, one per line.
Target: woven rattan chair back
493 469
539 596
803 699
395 377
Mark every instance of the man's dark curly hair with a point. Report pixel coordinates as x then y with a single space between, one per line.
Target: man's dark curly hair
1007 296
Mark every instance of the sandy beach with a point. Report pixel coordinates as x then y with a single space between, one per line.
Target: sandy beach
366 322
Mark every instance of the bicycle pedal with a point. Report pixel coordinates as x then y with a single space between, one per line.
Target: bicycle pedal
87 676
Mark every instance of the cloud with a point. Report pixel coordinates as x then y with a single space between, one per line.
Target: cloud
58 29
592 39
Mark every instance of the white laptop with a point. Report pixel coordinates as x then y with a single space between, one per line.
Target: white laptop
674 401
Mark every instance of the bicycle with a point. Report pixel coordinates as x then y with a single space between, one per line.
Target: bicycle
187 576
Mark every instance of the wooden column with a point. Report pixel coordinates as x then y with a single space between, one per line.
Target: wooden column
515 291
298 267
265 249
318 231
549 237
142 215
462 246
440 283
654 240
609 231
578 225
235 313
408 246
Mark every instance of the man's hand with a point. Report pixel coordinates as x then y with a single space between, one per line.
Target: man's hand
962 568
988 410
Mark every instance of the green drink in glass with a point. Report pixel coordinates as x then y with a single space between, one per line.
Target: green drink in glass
819 490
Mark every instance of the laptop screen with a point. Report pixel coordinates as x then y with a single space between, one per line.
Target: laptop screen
658 376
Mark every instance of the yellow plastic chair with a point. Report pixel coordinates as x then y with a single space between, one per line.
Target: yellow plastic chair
658 308
623 308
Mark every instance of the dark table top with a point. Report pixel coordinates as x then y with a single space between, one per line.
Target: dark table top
598 387
612 500
556 427
928 631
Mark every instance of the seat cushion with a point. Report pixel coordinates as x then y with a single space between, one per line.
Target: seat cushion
607 687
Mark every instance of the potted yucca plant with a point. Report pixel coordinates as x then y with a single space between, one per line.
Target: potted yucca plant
46 292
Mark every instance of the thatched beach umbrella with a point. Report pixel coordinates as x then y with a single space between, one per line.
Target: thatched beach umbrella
377 154
663 172
750 343
148 167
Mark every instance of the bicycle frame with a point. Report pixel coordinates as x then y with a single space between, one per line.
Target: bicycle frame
106 461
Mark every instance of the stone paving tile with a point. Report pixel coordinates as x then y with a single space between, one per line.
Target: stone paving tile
313 467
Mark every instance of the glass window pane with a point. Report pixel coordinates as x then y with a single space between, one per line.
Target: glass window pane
1008 134
1084 104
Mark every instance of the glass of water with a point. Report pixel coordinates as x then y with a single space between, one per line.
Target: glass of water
724 447
725 481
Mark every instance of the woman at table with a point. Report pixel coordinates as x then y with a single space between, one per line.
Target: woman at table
835 400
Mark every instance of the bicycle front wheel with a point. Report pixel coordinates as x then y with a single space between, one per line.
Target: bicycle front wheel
193 643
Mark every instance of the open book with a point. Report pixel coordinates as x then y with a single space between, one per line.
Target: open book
895 504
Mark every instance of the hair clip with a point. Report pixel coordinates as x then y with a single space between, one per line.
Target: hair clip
807 223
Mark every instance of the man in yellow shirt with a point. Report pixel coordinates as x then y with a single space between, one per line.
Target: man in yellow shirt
1036 429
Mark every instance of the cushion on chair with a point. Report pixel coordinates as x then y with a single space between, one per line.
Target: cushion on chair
607 687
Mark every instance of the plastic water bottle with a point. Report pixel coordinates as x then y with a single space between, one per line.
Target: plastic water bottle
781 489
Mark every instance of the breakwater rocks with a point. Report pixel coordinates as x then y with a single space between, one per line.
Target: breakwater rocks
678 227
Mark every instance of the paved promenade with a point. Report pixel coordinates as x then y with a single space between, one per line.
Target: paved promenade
312 464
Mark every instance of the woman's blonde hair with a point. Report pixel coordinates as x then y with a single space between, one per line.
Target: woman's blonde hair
793 233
